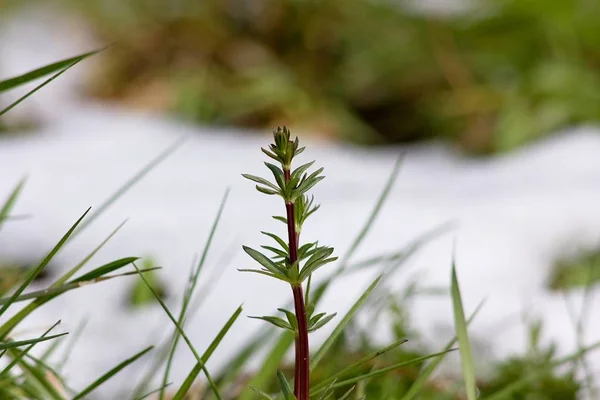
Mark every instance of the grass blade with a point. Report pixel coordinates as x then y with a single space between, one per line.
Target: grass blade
130 183
181 332
342 324
39 268
94 385
374 213
25 96
466 355
10 202
19 343
358 363
285 386
189 293
83 262
24 352
25 78
419 383
207 354
380 371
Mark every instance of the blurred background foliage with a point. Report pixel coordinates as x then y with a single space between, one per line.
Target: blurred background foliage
489 79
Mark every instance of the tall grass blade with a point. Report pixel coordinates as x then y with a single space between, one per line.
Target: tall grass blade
207 354
46 82
379 372
25 78
189 293
130 183
181 332
94 385
358 363
419 383
342 324
10 201
466 355
19 343
39 268
15 360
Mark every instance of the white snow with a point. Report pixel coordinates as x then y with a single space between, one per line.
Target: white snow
513 216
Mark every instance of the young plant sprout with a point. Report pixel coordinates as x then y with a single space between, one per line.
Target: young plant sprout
291 262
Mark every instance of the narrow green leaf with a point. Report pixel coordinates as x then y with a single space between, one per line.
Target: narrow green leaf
291 317
189 292
285 386
426 372
46 82
466 356
261 393
277 173
106 269
279 240
380 371
146 395
357 364
322 322
207 354
12 83
266 191
65 277
275 321
301 169
342 324
262 181
182 333
35 272
264 261
10 201
94 385
130 183
271 363
16 360
19 343
348 392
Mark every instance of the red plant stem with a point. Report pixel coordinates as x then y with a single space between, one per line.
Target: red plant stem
301 370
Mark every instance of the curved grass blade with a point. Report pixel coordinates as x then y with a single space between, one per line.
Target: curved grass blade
25 96
83 262
285 386
16 359
466 354
374 213
55 291
145 396
380 371
113 266
181 332
39 268
419 383
342 324
358 363
27 77
19 343
94 385
189 380
271 363
10 201
130 183
190 291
